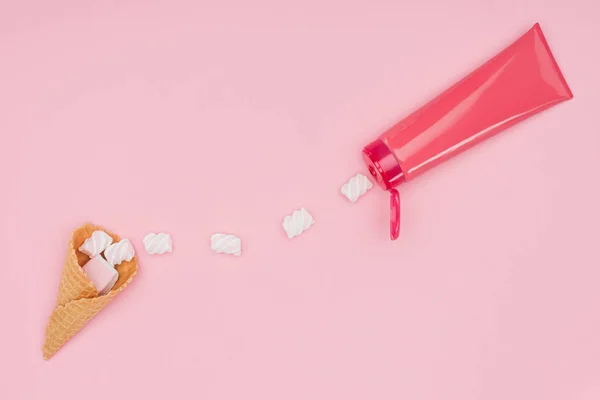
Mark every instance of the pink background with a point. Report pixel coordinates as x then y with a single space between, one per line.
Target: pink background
196 117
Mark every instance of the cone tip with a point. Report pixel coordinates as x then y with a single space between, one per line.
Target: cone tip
47 353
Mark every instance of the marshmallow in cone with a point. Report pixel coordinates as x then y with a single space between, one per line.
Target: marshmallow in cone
96 244
78 301
298 222
158 243
102 274
227 244
356 187
119 252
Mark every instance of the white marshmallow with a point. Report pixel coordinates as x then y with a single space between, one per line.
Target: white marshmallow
158 243
96 243
224 243
118 252
298 222
356 187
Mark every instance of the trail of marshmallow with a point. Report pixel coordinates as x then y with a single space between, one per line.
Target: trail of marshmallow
356 187
96 243
118 252
224 243
158 243
298 222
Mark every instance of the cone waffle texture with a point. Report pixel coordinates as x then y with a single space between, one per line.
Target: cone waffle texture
78 300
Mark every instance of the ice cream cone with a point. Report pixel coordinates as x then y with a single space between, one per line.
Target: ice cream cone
78 300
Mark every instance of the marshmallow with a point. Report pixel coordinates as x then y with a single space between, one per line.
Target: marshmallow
158 243
298 222
101 273
118 252
224 243
96 243
356 187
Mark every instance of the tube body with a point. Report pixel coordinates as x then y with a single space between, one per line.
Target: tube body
519 82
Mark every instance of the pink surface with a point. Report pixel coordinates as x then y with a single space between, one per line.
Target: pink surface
198 117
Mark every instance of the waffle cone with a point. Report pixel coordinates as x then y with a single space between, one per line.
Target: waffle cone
78 300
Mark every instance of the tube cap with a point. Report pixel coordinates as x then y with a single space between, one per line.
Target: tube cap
394 214
386 170
382 164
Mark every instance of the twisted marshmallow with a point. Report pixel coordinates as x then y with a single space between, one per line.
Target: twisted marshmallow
96 243
118 252
356 187
298 222
224 243
158 243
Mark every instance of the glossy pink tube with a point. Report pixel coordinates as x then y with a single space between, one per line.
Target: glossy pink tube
519 82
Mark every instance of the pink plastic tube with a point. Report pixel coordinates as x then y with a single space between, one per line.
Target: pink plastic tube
519 82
